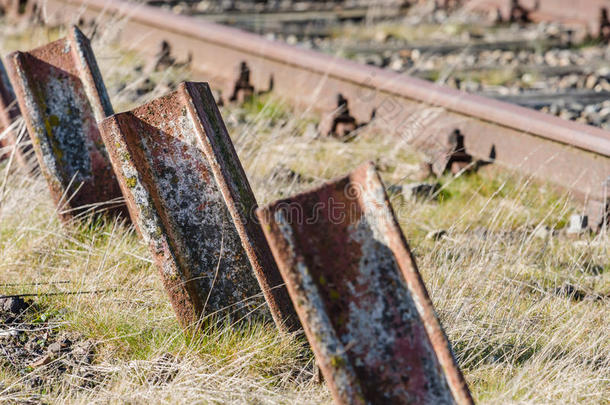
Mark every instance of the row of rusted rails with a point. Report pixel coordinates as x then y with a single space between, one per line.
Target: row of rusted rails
351 277
62 98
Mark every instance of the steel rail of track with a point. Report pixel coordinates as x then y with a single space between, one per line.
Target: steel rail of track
585 12
573 156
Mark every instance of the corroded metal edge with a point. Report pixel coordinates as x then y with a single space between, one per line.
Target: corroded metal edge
99 190
148 224
90 76
156 227
321 334
240 200
9 110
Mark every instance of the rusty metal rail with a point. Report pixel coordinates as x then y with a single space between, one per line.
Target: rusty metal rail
568 154
9 111
61 96
360 297
588 13
190 199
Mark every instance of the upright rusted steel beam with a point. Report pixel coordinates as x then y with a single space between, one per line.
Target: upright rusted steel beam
8 112
360 297
61 95
192 203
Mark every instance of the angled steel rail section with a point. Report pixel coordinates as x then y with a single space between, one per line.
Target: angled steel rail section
189 197
359 295
61 95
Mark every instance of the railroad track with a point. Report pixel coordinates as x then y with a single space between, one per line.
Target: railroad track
572 156
585 13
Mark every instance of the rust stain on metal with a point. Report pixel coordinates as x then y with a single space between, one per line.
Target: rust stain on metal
8 112
360 297
62 96
190 199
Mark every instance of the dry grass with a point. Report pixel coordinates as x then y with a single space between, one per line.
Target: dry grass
493 281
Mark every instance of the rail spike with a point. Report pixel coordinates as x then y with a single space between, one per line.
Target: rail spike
242 89
191 202
604 26
340 123
61 95
359 295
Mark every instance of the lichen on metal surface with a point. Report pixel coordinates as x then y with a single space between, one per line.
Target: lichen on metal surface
61 101
187 204
367 325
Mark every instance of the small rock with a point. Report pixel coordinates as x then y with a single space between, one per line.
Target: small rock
569 81
578 225
202 6
542 232
9 333
425 171
381 36
420 191
481 232
145 87
178 9
591 81
42 361
604 113
311 132
83 351
13 305
436 235
397 64
567 115
594 119
568 290
55 348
